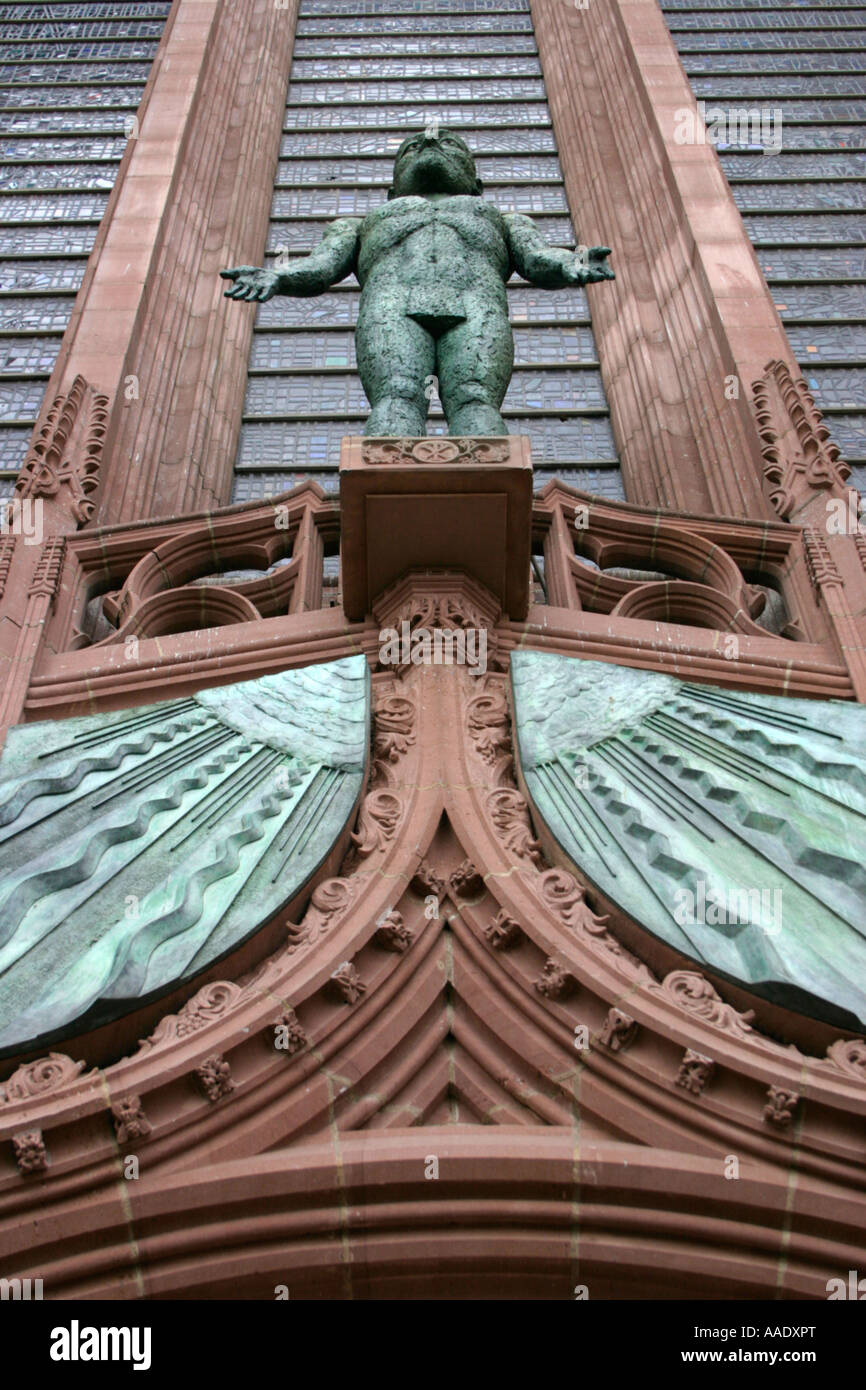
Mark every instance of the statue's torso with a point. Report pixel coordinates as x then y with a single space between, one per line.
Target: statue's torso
447 245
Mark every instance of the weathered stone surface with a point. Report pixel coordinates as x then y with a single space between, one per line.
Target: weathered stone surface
138 847
729 825
433 263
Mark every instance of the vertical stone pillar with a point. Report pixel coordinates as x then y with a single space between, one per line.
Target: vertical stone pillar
151 338
689 320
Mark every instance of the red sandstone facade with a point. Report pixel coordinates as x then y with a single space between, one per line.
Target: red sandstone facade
433 1130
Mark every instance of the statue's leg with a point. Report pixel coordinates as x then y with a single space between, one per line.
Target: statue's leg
474 362
396 358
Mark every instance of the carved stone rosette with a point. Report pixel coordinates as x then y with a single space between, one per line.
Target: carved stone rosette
695 1072
31 1153
780 1107
130 1121
215 1078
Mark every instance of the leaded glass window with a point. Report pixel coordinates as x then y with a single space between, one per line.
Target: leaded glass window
803 202
86 65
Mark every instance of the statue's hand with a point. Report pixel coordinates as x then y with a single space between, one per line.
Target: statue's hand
590 266
251 283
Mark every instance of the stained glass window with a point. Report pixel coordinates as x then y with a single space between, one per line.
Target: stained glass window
803 201
72 76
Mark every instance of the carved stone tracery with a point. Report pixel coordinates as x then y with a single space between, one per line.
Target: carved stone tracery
799 456
67 452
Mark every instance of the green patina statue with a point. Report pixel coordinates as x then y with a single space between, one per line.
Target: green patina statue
433 263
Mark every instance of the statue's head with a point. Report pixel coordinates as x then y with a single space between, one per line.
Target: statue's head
434 161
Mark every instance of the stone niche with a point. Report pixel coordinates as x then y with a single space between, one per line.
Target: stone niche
436 502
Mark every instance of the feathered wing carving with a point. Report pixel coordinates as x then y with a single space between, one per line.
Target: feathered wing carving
730 825
138 847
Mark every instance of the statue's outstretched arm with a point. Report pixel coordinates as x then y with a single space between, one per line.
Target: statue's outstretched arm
552 267
329 262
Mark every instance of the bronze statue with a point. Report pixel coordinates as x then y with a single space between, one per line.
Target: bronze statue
432 263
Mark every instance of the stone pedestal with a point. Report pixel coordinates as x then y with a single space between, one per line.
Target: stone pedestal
436 502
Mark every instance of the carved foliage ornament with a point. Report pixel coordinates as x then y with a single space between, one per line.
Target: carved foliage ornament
489 726
289 1034
393 724
31 1155
39 1077
780 1107
695 1071
210 1003
554 982
330 900
346 983
619 1030
393 934
215 1078
130 1121
510 815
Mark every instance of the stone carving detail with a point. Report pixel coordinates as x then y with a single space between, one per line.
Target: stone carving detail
394 720
393 934
489 726
211 1002
849 1055
347 984
554 982
130 1121
68 451
31 1155
38 1078
427 882
780 1107
819 561
693 993
799 456
328 903
289 1034
619 1030
46 576
215 1077
565 897
503 932
424 623
377 823
466 881
432 450
510 814
695 1071
7 550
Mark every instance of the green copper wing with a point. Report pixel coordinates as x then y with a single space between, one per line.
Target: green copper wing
138 847
731 826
